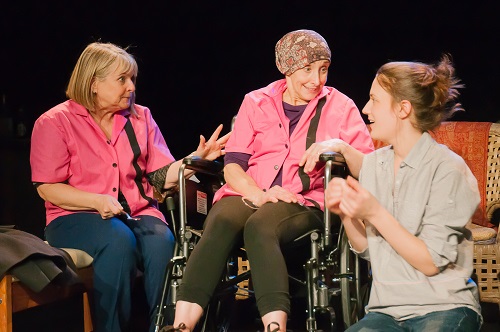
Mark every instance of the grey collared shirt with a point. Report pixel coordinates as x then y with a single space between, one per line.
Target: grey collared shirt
433 196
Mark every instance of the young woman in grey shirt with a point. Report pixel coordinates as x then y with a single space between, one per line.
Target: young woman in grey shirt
407 214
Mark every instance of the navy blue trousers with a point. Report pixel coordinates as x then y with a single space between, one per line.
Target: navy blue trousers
119 248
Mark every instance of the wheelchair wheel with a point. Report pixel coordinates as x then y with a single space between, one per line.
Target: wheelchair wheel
354 284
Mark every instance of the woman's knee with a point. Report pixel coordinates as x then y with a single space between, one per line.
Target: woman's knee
163 242
258 231
225 217
264 227
458 319
157 248
153 234
121 238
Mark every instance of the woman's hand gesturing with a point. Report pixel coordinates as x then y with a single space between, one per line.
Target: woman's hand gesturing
214 147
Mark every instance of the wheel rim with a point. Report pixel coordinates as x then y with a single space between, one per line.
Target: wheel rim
353 285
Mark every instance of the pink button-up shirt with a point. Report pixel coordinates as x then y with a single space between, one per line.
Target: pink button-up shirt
261 130
68 146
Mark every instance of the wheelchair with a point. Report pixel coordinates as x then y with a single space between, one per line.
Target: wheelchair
335 280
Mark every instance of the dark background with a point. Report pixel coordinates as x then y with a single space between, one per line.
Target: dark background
197 59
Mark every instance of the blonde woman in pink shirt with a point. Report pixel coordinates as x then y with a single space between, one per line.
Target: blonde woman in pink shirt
273 191
95 160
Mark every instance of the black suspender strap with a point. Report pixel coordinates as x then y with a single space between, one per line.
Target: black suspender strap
311 138
137 152
313 125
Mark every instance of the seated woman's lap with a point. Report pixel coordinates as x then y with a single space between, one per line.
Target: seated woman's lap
112 237
281 221
230 218
461 319
90 233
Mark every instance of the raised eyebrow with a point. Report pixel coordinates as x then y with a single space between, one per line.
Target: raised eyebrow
126 73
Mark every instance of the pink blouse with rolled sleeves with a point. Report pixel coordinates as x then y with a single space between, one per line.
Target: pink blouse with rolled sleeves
67 146
261 130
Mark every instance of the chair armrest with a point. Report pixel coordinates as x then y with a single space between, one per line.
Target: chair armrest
493 213
197 164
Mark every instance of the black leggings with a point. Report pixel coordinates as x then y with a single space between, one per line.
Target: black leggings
264 232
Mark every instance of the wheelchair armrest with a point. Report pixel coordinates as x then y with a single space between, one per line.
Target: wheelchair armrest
338 165
336 157
210 167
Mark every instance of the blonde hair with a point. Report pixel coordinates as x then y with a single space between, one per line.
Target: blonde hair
431 89
95 63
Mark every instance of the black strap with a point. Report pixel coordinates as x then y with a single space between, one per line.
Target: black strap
123 201
137 152
316 204
311 138
313 125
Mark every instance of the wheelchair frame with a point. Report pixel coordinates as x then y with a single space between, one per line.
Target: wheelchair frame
322 285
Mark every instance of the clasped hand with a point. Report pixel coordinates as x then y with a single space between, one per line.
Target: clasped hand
346 197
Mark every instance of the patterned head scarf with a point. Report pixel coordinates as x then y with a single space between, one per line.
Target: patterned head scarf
299 48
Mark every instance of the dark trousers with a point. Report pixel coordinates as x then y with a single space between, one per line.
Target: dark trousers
265 231
119 248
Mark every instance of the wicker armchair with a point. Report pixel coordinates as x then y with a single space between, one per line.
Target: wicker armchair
479 144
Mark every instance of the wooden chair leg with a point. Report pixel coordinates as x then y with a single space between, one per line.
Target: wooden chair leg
87 314
6 304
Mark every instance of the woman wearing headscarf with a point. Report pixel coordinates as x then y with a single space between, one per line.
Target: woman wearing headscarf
274 189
